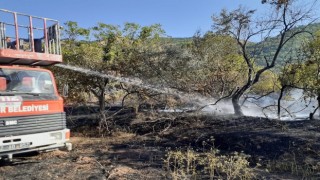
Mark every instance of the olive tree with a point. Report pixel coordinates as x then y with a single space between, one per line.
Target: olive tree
113 50
312 70
304 75
240 25
217 65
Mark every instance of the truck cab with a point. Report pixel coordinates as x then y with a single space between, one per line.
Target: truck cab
32 116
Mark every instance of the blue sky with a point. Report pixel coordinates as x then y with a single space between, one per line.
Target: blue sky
179 18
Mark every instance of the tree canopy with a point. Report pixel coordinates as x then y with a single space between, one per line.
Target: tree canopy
221 63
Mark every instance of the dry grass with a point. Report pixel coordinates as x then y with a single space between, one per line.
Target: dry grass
51 154
192 165
121 173
293 152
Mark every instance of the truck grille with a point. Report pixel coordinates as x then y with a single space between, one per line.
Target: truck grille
12 126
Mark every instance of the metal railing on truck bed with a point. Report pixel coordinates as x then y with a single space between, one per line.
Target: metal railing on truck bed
29 40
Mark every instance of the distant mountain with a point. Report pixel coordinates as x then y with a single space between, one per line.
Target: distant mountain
178 41
267 47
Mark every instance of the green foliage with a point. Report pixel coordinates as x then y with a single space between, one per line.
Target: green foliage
305 74
227 22
290 51
312 66
217 66
178 42
123 47
213 64
116 50
78 52
269 82
73 31
239 24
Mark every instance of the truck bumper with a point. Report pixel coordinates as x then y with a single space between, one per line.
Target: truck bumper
34 142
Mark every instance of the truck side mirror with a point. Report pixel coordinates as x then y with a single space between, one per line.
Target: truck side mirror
65 90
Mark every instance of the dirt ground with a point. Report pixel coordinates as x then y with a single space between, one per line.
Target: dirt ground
137 147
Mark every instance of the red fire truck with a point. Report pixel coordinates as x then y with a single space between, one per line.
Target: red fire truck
32 116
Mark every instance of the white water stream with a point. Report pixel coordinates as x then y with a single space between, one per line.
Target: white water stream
137 82
250 108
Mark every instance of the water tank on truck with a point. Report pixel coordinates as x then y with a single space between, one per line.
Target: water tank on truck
32 116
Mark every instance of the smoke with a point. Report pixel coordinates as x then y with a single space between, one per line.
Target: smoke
295 104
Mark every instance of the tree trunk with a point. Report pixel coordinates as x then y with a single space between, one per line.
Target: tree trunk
102 105
103 124
318 98
279 100
100 94
236 105
311 115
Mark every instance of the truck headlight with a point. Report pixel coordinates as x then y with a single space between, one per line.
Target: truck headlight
56 136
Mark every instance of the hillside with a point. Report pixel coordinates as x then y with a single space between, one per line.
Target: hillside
178 41
267 47
290 50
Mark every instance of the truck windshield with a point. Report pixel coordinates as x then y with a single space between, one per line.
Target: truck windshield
25 81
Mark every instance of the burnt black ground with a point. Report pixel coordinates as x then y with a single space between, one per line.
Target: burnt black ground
139 142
